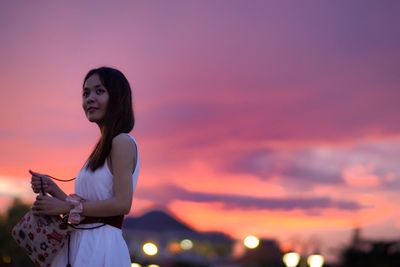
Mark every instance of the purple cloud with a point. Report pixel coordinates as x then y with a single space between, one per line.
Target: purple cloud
302 167
170 193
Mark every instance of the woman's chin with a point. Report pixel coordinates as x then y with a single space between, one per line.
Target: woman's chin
95 120
91 119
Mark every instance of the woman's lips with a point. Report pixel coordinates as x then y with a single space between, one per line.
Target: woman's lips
91 109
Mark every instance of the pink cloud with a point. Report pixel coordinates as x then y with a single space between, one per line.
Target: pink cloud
360 175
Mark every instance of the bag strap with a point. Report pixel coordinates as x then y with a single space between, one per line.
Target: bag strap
61 180
69 239
41 186
54 178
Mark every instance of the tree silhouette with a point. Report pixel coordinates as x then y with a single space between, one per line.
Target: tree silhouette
10 253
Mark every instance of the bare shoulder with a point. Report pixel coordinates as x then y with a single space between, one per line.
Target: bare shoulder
123 154
123 142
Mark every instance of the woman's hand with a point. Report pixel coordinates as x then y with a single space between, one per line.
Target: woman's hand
46 205
49 185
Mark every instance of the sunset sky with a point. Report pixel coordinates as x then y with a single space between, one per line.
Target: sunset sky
274 118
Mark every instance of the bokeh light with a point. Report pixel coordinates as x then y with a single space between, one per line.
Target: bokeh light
291 259
315 260
186 244
150 249
251 242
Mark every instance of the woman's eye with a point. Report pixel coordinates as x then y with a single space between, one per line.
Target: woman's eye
85 94
99 91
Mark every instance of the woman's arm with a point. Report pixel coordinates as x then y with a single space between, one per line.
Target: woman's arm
123 154
57 192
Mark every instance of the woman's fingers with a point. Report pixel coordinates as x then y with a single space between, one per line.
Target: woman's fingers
38 181
36 173
36 190
40 202
43 198
36 207
44 205
38 176
37 186
37 211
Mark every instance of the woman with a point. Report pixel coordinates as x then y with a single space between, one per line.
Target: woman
104 186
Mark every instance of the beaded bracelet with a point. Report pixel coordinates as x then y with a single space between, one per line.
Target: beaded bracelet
75 213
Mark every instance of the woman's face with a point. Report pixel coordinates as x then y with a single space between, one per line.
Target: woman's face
94 99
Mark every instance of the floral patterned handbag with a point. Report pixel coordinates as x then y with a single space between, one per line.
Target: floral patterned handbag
41 236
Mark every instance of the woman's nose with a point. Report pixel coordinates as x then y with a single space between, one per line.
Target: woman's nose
90 98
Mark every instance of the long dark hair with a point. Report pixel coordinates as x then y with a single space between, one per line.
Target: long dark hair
119 117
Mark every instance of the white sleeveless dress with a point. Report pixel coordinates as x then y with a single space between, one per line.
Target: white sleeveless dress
100 247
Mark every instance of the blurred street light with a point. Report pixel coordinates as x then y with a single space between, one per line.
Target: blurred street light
150 249
291 259
133 264
251 242
315 260
186 244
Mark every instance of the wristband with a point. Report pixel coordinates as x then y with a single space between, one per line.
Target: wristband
75 213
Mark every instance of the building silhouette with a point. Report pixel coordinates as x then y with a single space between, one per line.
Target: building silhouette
267 254
167 233
371 253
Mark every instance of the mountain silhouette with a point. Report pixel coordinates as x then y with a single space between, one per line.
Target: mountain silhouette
156 221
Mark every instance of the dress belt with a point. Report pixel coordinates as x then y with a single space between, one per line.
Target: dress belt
115 221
